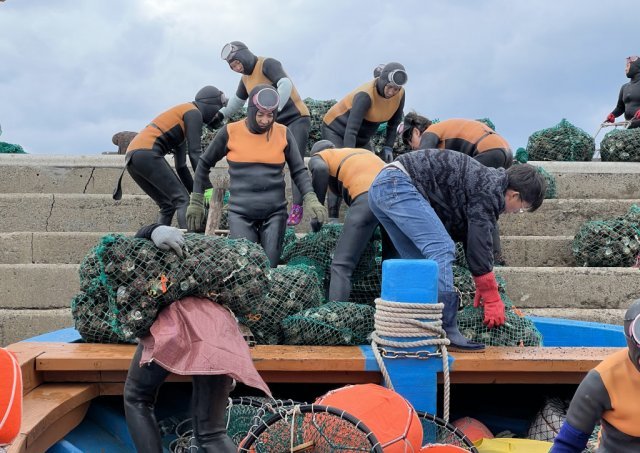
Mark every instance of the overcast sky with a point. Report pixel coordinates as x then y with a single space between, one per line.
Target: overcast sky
72 73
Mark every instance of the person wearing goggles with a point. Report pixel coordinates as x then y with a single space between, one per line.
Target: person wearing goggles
355 119
176 131
427 199
257 149
292 111
610 394
347 172
629 97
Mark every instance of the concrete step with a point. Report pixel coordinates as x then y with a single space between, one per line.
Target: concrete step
70 248
99 212
97 174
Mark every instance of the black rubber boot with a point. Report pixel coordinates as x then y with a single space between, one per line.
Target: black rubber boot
459 343
210 397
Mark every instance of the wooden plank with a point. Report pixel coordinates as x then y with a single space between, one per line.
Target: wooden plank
19 444
26 353
58 429
216 204
49 403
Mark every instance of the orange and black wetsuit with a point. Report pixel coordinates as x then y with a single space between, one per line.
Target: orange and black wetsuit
348 172
177 131
470 137
352 122
610 393
257 203
293 113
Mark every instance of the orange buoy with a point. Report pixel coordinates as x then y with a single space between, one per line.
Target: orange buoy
472 428
10 397
442 449
388 415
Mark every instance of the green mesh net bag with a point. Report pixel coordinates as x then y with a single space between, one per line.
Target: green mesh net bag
10 148
516 331
609 243
135 279
564 142
331 324
621 145
488 122
317 110
291 290
466 288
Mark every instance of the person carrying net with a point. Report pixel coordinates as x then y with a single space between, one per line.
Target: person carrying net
629 97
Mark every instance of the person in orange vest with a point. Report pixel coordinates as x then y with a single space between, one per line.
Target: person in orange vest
610 394
10 397
292 111
176 131
629 97
470 137
196 337
346 172
355 119
256 148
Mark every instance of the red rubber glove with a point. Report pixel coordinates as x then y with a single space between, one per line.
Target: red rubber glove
488 296
610 118
637 115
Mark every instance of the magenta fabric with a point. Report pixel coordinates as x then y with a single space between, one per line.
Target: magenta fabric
198 336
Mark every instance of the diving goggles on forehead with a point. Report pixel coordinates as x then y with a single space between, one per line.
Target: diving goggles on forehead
404 131
397 77
266 100
632 58
229 51
223 99
634 330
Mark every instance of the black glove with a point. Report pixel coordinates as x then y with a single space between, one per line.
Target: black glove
316 225
387 154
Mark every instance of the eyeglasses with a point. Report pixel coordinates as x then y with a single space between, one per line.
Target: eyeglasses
229 51
632 58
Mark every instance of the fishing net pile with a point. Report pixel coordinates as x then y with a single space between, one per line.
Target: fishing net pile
517 330
488 122
10 148
609 243
522 157
125 281
621 145
563 142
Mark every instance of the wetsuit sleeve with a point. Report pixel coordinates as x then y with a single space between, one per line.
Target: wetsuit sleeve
319 177
216 150
236 102
479 250
589 402
273 70
429 140
145 231
392 124
298 171
619 110
193 134
361 103
180 162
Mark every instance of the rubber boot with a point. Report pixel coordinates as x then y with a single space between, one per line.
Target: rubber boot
210 397
459 343
140 392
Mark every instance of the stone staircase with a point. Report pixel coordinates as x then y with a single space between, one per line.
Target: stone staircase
54 209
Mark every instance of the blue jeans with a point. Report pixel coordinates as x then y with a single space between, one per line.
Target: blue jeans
412 224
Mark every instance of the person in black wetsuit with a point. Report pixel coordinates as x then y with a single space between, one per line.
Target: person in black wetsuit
177 131
355 119
256 149
629 97
292 111
609 394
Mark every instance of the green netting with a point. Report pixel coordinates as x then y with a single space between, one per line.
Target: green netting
488 122
564 142
291 290
10 148
317 111
621 145
609 243
135 279
379 138
463 282
331 324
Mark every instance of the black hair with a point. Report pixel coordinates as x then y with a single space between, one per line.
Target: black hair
529 183
411 120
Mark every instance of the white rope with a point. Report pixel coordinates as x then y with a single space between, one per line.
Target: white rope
402 320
